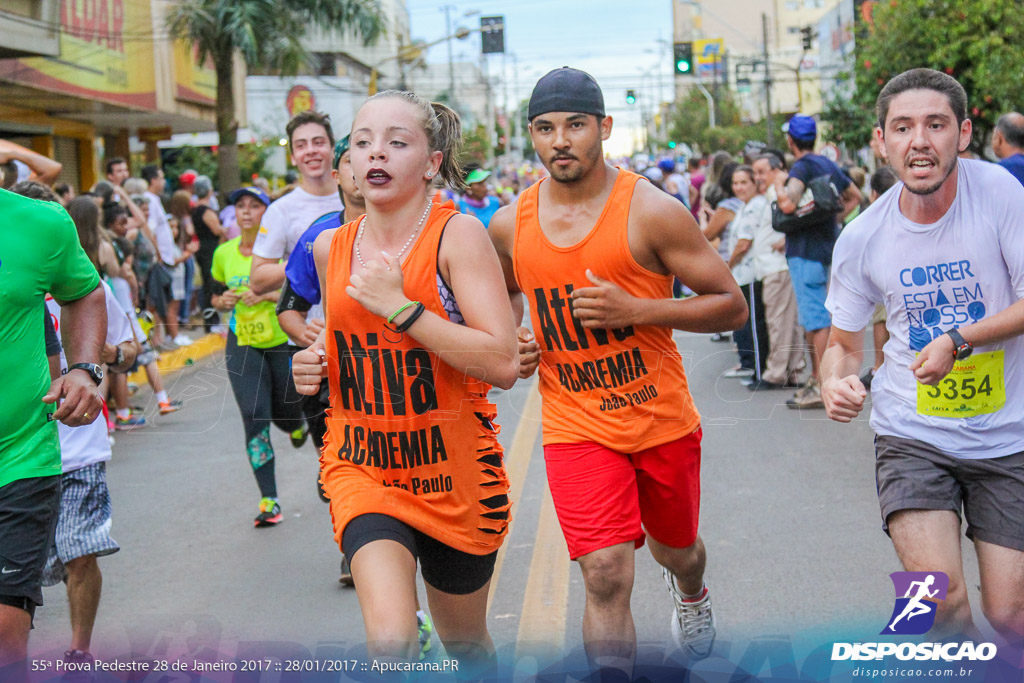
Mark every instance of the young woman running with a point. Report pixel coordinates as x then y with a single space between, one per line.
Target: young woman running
257 352
418 326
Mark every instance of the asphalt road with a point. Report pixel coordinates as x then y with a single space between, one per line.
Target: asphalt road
789 515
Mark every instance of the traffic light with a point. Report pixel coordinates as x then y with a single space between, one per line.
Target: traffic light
630 97
492 34
671 144
683 54
806 36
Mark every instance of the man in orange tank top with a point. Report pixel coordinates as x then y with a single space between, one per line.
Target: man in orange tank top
595 249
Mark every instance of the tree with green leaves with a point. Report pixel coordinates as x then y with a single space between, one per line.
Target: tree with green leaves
978 42
476 146
689 123
268 34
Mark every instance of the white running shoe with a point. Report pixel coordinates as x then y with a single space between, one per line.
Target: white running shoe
693 623
182 340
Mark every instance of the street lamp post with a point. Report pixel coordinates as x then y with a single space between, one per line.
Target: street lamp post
447 9
451 60
516 124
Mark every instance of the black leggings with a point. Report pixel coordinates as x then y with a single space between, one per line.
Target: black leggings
261 380
204 257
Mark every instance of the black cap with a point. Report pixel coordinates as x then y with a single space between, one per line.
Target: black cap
566 89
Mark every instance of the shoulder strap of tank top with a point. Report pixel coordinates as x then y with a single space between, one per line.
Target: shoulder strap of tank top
616 209
439 218
527 218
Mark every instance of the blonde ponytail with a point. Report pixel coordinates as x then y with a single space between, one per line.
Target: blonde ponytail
449 142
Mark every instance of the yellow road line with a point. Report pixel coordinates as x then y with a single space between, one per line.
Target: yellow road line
546 599
173 361
517 462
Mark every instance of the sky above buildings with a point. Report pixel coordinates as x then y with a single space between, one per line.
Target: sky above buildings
624 45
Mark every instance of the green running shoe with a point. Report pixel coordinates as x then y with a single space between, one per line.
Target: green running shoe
300 435
270 513
426 628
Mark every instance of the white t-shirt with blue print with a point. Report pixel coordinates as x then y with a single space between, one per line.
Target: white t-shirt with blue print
965 267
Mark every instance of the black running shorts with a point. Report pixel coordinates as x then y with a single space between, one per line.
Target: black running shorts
28 517
445 568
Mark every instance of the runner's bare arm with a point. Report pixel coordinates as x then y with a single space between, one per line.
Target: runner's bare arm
936 359
664 238
841 389
129 350
502 232
266 274
294 325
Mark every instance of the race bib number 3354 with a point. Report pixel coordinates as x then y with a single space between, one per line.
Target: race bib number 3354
974 386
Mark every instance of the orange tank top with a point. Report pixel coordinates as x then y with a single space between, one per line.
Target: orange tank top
624 389
407 435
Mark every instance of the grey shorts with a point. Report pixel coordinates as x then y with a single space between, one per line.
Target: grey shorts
83 527
913 475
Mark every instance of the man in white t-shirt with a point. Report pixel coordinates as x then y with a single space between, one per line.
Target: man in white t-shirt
944 253
83 525
311 143
785 359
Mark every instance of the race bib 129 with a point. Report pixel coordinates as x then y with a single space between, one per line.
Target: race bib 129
254 326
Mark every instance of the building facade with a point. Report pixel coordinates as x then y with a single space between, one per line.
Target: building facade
105 73
337 83
744 28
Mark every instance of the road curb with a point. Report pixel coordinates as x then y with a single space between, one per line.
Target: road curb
174 361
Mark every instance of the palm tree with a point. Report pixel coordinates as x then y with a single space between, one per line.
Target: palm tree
269 35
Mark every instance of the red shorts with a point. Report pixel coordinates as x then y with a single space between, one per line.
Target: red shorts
603 497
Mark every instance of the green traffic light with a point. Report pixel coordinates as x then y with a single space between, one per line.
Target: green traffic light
671 145
683 66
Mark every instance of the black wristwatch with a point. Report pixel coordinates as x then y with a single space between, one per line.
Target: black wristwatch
962 349
95 371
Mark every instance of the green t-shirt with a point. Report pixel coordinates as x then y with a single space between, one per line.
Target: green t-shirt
39 253
254 326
